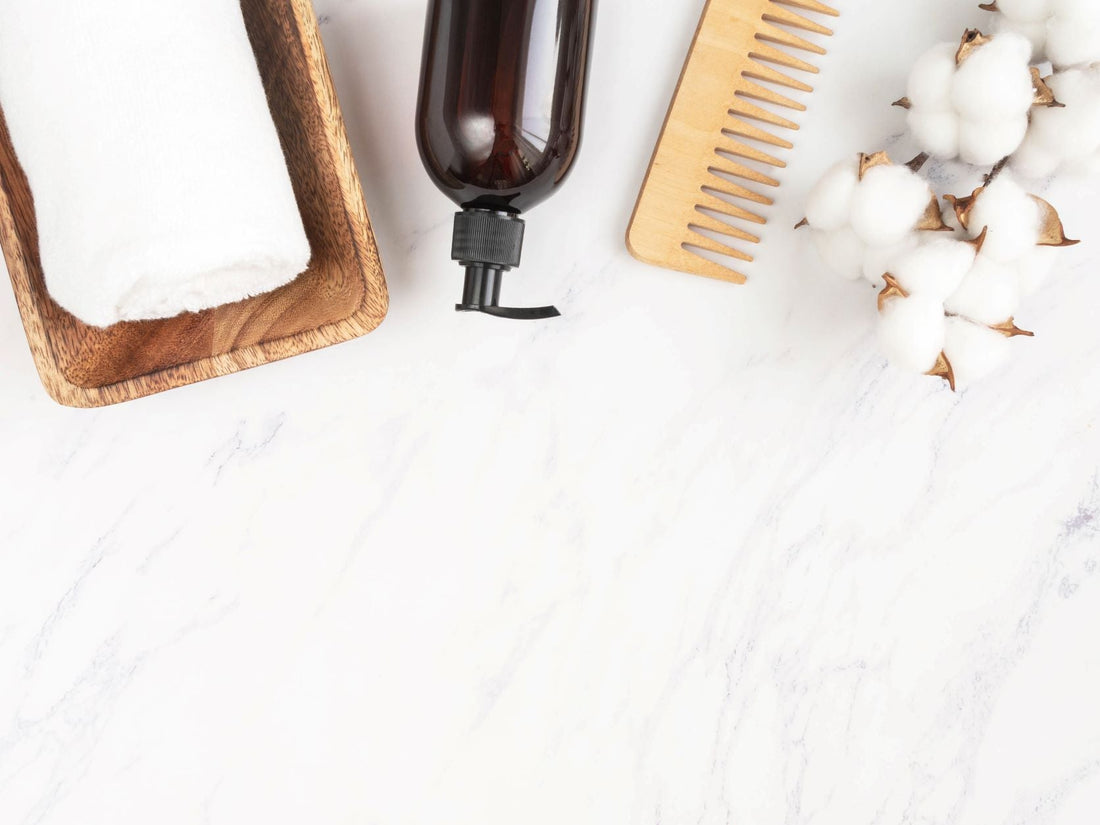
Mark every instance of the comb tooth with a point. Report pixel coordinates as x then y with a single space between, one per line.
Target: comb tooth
736 190
688 260
758 92
786 17
742 108
773 34
699 241
747 130
758 71
735 147
724 207
810 5
704 221
768 53
738 170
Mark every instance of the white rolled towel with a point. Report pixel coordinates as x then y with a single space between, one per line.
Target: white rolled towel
159 183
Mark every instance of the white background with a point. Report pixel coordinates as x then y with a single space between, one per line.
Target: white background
691 554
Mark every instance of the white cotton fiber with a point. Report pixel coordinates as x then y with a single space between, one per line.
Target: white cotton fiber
1034 160
1012 217
974 352
934 269
829 204
989 294
995 81
1034 269
950 219
1027 18
935 132
1036 33
932 79
842 251
888 203
1067 137
879 260
1066 133
1066 32
912 332
1079 9
1076 123
1073 33
976 110
987 142
1025 11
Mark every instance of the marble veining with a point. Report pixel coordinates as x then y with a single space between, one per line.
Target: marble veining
691 554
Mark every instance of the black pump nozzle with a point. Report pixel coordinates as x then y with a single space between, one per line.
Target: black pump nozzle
482 294
489 244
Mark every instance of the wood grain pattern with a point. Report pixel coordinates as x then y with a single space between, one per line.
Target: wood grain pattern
707 181
342 295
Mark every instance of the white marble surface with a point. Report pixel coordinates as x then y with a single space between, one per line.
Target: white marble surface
691 554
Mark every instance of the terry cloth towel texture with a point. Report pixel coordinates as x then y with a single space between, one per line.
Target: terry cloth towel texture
158 180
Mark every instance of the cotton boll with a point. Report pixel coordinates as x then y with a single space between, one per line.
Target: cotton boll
1034 269
830 201
1012 218
934 269
931 78
1074 127
975 352
887 205
1073 33
987 142
995 81
983 116
1067 137
879 260
912 332
1072 43
842 251
936 132
989 294
860 224
1067 32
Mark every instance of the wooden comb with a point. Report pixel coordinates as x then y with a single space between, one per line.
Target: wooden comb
705 177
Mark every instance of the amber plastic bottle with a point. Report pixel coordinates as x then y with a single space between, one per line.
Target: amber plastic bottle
499 123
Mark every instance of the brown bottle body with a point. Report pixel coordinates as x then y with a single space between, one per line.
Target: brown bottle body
502 98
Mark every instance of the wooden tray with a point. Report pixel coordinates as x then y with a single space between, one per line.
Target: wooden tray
341 296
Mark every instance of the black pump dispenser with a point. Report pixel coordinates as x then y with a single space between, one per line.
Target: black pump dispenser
498 124
489 244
